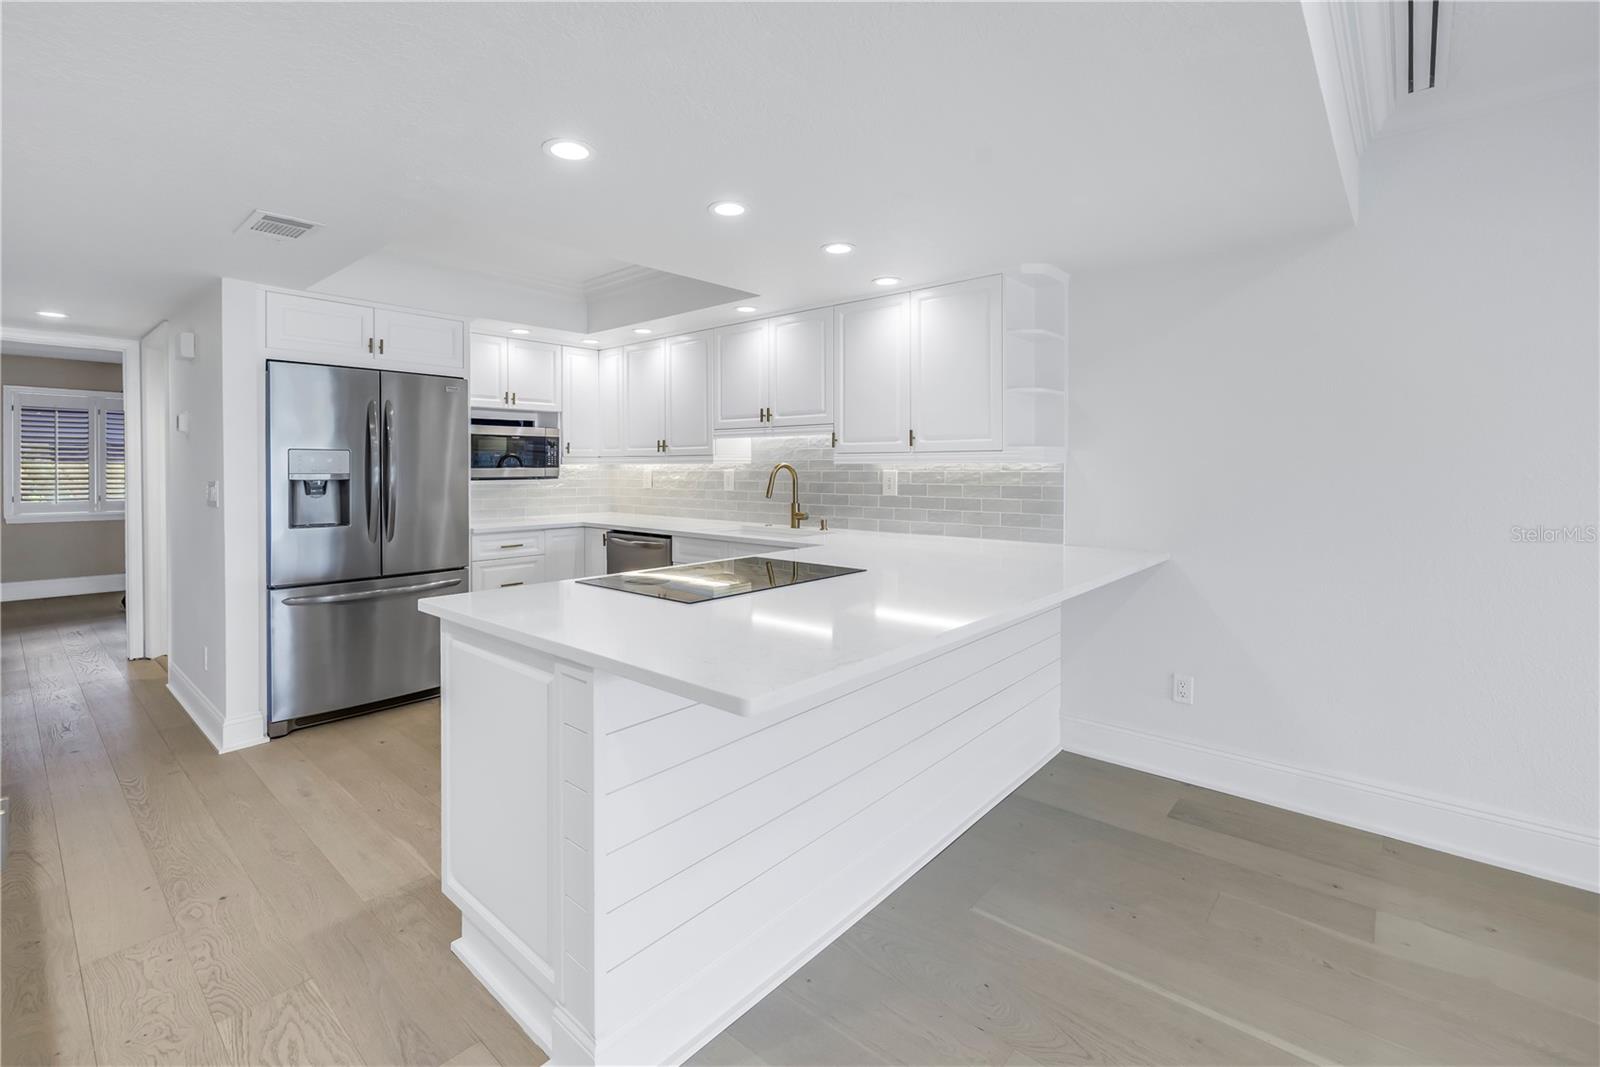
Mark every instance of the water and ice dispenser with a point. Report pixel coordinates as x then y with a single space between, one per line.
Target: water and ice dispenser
319 487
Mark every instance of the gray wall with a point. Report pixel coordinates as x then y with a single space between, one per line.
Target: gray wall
31 551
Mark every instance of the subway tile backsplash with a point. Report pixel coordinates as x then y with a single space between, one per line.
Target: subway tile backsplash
1012 501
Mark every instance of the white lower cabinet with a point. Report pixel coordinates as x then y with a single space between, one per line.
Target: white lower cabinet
564 555
525 557
594 552
500 573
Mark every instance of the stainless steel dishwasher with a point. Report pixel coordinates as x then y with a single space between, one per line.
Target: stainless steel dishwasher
636 551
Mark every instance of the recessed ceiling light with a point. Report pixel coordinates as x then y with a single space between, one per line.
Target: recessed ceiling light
886 280
838 248
571 151
641 329
590 341
52 314
746 309
519 331
728 209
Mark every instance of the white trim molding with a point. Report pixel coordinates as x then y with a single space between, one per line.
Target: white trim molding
41 588
225 736
1559 853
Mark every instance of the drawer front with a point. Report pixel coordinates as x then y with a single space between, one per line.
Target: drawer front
506 573
507 543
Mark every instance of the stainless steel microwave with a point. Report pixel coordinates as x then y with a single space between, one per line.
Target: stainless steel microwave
514 448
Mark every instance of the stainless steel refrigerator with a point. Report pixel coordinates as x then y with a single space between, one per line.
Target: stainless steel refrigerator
366 514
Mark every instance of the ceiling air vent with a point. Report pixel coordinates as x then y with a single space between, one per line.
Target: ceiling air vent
276 227
1422 38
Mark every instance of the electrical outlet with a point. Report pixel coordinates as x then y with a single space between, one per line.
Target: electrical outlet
1183 688
213 494
727 480
891 483
649 478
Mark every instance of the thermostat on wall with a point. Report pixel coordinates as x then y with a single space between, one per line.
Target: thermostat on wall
186 345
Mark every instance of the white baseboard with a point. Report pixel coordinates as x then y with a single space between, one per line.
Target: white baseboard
1566 854
49 587
224 736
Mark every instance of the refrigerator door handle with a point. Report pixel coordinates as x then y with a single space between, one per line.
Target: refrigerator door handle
392 487
370 594
374 471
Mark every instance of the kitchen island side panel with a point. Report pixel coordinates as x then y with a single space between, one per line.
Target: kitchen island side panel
635 869
731 849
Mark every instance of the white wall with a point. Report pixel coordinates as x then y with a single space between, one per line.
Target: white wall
195 532
1334 441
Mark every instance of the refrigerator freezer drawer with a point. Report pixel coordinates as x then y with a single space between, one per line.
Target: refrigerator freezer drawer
348 644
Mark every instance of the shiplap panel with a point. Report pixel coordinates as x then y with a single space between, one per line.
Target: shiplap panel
631 928
673 963
749 808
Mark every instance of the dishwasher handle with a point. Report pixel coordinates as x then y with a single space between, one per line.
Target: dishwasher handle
654 542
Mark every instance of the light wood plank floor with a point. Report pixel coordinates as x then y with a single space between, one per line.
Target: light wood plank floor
281 905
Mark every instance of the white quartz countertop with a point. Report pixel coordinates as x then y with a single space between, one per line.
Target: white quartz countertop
767 650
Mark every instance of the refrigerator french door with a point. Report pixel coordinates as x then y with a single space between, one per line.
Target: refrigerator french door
366 515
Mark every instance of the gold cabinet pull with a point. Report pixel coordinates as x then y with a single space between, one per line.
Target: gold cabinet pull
911 438
505 585
380 346
369 344
513 398
519 544
835 437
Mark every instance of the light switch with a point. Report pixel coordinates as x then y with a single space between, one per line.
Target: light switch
182 422
213 494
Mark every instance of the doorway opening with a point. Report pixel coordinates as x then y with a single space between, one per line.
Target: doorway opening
73 456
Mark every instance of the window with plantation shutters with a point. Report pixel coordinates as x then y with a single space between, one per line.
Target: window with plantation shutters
66 455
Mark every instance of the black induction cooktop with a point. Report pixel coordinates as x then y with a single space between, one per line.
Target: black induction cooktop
692 583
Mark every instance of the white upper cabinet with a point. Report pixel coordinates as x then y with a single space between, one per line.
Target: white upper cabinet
329 328
609 390
644 409
339 331
508 372
957 386
533 374
874 347
800 382
688 395
486 372
580 404
740 362
428 341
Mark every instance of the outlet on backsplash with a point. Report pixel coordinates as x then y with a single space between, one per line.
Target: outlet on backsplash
891 482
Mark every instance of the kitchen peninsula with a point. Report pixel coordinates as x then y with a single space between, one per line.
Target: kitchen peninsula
653 811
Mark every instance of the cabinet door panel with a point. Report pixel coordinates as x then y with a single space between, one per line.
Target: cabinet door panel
644 389
486 371
874 405
533 374
331 329
739 376
956 380
801 389
429 341
580 406
688 414
563 554
610 398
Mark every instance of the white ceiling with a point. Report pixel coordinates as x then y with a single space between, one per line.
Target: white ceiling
944 140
